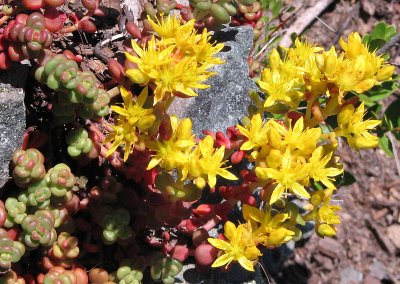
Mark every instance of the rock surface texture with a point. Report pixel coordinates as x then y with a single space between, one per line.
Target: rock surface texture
12 115
226 101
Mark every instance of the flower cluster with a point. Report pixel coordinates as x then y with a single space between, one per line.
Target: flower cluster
171 64
292 146
309 71
176 62
199 162
289 157
133 121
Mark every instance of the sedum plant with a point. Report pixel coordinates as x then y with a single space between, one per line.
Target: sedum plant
116 226
38 194
16 212
165 269
78 142
60 181
28 167
78 93
28 36
38 229
286 147
128 273
10 251
293 156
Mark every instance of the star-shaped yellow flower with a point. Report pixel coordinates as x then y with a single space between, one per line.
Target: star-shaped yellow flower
239 246
352 126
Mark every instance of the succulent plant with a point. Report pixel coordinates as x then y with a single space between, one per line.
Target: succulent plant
78 142
60 181
37 4
60 215
176 190
128 273
100 106
3 214
28 167
10 277
116 226
98 275
215 13
38 194
77 90
58 275
28 36
39 229
165 269
16 211
10 251
64 250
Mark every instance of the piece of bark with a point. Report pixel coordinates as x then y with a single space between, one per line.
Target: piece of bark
304 20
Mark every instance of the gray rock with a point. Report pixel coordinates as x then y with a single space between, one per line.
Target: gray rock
350 276
226 101
394 235
12 115
378 270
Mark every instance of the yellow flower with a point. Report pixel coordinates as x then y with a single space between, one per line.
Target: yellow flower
123 134
323 213
177 62
268 229
132 119
256 133
238 247
280 87
302 51
282 82
286 177
351 125
318 169
171 28
205 51
173 153
181 77
211 161
302 139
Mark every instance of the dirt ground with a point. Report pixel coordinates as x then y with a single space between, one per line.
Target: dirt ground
367 246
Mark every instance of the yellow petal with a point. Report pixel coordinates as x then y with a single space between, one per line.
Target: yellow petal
245 263
299 190
277 193
219 244
226 174
153 162
229 230
142 97
137 76
250 212
222 260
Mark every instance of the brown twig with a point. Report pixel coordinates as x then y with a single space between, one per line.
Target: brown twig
304 21
395 154
392 42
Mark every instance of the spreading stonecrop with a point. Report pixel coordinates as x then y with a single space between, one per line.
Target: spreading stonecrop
286 136
156 190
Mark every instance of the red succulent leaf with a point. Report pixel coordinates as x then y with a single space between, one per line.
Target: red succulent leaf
87 26
133 30
33 4
54 3
54 19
